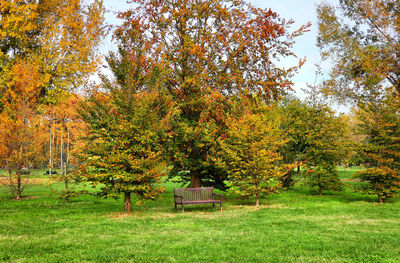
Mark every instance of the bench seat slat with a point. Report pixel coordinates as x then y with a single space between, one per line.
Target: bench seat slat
202 202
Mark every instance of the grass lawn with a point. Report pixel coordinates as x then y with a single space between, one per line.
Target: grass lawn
294 226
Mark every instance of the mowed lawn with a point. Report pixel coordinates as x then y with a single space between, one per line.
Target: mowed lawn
294 226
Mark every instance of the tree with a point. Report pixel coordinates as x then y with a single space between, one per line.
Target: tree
128 119
323 146
207 51
363 45
19 125
380 122
295 125
251 151
121 152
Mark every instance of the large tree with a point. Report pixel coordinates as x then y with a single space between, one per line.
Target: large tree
207 51
362 39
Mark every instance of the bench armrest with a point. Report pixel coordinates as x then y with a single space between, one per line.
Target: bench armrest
178 196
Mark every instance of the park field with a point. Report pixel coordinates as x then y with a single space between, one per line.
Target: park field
294 226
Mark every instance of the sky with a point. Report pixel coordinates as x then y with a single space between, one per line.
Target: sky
301 11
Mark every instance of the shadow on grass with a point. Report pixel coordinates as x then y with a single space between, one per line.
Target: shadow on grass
197 208
346 196
301 194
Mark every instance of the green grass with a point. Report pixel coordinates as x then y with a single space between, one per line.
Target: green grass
346 173
294 226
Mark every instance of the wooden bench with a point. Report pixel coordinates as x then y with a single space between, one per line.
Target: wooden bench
195 196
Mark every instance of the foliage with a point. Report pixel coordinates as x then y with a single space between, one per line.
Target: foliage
361 37
66 129
323 140
363 43
45 47
251 151
205 52
60 35
381 181
323 177
380 122
350 141
121 152
71 32
295 125
19 126
315 140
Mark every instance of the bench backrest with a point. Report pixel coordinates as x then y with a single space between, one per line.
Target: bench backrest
195 194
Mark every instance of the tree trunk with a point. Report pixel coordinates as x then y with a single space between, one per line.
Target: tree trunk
128 203
66 181
12 188
66 191
320 190
19 185
380 199
298 169
195 180
257 200
61 153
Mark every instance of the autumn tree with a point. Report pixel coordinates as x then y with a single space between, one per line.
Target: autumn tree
19 125
206 51
122 151
361 37
380 123
128 119
251 151
351 140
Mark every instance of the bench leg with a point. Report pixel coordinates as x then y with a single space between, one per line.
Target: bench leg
220 206
213 205
183 208
176 207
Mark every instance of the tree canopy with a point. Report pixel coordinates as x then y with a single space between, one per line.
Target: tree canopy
206 52
60 36
251 152
361 37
